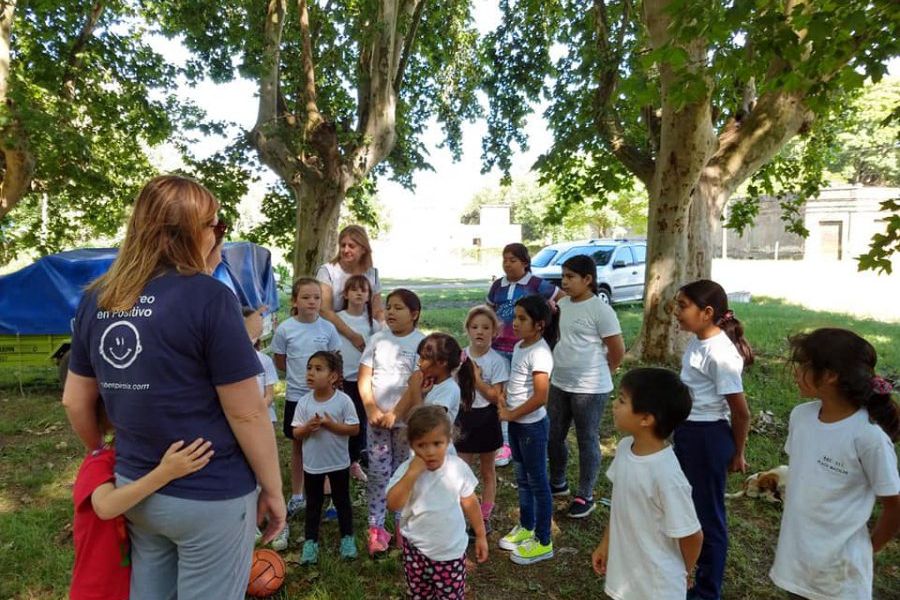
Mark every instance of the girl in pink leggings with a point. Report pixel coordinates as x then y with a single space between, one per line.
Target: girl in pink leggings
384 369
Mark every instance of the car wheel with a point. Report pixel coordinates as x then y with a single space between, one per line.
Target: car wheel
63 368
605 295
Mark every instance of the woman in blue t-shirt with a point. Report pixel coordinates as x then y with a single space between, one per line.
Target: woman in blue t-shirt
164 345
516 283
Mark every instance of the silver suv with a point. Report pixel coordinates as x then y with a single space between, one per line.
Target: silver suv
620 265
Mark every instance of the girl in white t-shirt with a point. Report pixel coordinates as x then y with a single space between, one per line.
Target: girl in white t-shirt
589 351
435 492
384 369
479 427
324 420
523 409
711 442
357 314
841 460
295 340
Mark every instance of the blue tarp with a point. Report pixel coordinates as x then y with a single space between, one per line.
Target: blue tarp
42 298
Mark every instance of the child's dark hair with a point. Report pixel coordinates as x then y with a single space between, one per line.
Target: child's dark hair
335 362
358 282
519 251
583 266
538 310
661 393
705 293
444 348
409 300
426 418
852 359
246 311
295 290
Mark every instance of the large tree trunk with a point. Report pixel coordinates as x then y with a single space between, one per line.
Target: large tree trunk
703 219
18 163
318 209
686 143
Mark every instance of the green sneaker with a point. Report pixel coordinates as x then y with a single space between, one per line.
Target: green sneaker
310 554
531 551
348 547
516 536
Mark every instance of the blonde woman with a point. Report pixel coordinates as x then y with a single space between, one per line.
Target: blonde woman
354 257
164 345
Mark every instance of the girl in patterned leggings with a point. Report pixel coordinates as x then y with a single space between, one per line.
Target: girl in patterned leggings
432 490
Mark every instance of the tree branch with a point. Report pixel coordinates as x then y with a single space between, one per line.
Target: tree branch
408 41
74 60
746 146
312 117
605 117
268 81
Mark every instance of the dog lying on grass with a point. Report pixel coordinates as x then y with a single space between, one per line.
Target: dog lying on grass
769 485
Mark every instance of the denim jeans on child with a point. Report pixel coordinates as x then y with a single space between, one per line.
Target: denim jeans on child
586 411
704 450
528 442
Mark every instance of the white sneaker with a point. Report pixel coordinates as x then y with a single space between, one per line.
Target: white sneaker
503 456
281 540
295 505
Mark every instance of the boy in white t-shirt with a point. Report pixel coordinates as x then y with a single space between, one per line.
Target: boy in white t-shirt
653 539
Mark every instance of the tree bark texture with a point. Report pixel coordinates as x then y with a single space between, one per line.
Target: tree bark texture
695 172
18 163
686 143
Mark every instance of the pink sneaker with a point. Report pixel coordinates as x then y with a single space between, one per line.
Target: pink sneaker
503 456
357 473
379 540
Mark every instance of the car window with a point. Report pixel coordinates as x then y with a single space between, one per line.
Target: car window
598 253
543 258
624 254
640 254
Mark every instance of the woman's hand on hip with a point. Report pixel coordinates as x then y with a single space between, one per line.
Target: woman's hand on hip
270 509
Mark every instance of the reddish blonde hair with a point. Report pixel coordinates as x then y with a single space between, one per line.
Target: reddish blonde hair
164 232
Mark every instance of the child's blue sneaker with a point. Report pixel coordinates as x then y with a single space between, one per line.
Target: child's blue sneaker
330 512
310 553
348 547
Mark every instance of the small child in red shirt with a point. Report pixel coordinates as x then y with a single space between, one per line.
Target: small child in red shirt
102 555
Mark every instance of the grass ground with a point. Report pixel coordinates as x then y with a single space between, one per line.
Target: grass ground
39 457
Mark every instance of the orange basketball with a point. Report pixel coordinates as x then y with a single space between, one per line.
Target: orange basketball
266 573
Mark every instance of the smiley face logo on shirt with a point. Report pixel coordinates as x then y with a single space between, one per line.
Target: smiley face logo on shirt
120 344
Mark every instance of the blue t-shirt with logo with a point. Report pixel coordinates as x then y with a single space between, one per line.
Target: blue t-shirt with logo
157 365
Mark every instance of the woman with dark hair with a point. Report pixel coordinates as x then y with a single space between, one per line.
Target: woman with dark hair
164 345
517 282
589 351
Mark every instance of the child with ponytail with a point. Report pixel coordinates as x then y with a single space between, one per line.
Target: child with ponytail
711 442
841 459
433 383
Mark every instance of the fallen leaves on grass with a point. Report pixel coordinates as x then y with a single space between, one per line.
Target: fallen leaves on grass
766 423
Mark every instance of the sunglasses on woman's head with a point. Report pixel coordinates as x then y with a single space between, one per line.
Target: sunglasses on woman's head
220 228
